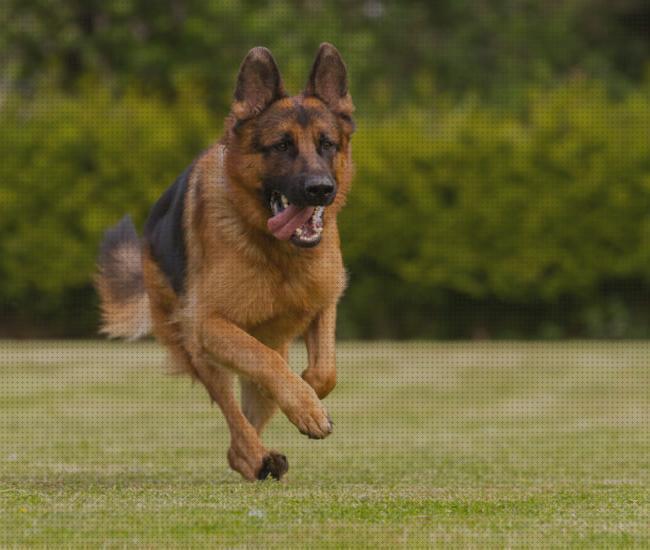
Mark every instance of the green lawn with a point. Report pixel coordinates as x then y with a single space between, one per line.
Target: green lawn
481 444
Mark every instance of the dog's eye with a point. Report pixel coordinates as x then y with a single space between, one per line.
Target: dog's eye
282 146
326 144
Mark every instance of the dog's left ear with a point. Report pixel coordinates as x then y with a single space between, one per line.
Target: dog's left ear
328 81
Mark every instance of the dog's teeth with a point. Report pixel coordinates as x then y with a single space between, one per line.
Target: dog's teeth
285 201
299 232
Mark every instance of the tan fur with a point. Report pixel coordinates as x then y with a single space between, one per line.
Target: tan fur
248 295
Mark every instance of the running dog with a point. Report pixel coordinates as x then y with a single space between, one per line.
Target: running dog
241 255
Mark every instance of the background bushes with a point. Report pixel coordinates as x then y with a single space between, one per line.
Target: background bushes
73 166
503 160
480 221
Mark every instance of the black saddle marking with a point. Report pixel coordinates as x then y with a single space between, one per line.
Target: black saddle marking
165 233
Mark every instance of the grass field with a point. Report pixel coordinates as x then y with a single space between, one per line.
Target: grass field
478 445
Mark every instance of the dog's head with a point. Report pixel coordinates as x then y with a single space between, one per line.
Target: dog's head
291 153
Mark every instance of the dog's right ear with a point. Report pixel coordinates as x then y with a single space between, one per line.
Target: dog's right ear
258 84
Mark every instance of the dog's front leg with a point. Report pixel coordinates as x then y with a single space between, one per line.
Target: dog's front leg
258 406
321 351
229 345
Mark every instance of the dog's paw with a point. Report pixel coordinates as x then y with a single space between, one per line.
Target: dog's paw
316 424
248 459
302 407
275 465
330 429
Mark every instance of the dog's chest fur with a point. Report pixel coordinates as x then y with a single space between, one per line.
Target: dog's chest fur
268 299
273 296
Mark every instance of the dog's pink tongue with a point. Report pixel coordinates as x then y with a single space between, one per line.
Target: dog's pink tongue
284 224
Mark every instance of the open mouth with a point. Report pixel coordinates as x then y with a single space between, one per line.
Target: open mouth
302 225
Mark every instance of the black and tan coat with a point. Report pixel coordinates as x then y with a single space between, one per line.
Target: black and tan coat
222 291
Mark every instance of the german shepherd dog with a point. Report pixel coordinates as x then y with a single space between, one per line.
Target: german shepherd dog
241 255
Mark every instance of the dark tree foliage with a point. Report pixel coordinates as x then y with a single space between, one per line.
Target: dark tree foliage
503 177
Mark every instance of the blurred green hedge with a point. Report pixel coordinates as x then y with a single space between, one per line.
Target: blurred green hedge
72 166
482 221
465 219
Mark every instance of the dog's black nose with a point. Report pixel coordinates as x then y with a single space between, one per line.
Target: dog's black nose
320 190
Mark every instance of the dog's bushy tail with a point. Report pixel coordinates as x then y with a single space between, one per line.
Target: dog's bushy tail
120 283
